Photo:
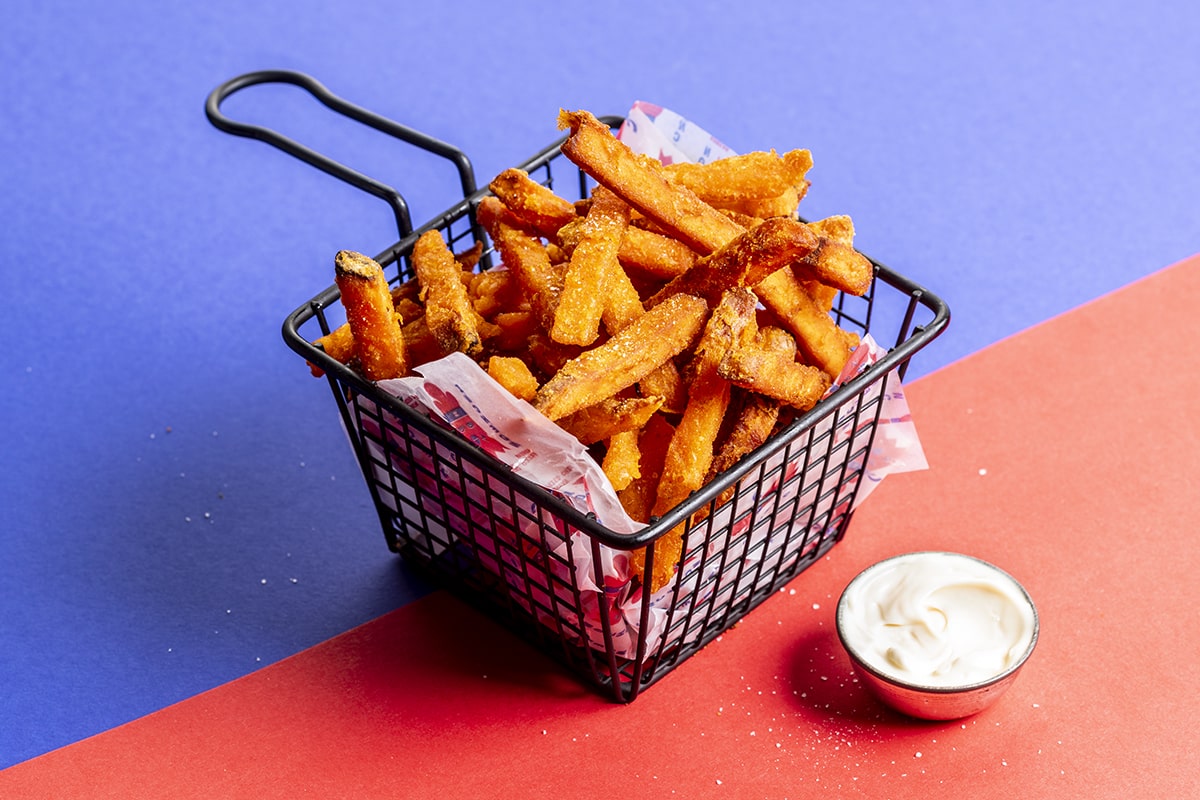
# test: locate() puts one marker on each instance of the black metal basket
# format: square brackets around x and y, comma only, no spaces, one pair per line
[523,555]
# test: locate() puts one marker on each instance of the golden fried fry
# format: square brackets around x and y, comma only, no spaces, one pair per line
[691,450]
[667,383]
[610,417]
[419,343]
[745,260]
[773,371]
[835,263]
[469,259]
[620,463]
[593,262]
[733,181]
[655,255]
[534,204]
[785,204]
[512,373]
[638,497]
[623,360]
[642,183]
[338,344]
[448,311]
[494,292]
[822,342]
[370,313]
[755,421]
[527,260]
[513,331]
[753,426]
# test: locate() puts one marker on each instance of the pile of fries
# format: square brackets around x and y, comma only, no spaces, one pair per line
[671,321]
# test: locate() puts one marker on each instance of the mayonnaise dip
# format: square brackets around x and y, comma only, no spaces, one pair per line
[937,619]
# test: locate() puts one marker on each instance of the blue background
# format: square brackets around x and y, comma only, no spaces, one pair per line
[178,506]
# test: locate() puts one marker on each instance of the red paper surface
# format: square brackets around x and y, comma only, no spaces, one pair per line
[1069,455]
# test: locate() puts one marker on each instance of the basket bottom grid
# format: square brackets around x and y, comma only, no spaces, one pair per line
[478,535]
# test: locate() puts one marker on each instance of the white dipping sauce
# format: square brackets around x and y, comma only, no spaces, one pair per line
[937,619]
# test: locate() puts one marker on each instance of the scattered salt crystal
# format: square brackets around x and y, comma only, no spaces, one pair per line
[918,754]
[264,581]
[816,606]
[295,580]
[982,471]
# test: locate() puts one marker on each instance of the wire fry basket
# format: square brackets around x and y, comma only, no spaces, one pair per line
[522,554]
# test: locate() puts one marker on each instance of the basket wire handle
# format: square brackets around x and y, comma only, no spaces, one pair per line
[338,170]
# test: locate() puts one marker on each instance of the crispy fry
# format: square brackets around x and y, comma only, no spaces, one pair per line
[610,417]
[534,204]
[744,261]
[448,311]
[623,360]
[469,259]
[822,342]
[419,344]
[512,373]
[621,458]
[593,263]
[370,313]
[494,292]
[526,258]
[835,263]
[729,182]
[773,371]
[513,330]
[638,497]
[753,426]
[691,450]
[667,383]
[338,344]
[642,182]
[785,204]
[655,255]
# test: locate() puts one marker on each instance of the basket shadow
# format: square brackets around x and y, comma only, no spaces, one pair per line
[825,685]
[441,645]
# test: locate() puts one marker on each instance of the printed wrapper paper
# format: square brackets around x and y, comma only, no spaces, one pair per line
[457,392]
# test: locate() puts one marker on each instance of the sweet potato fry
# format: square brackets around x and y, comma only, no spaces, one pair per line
[494,292]
[642,182]
[610,417]
[822,342]
[626,358]
[448,311]
[774,372]
[338,344]
[370,313]
[527,260]
[756,419]
[534,204]
[730,182]
[620,462]
[690,453]
[512,373]
[638,497]
[744,261]
[593,262]
[834,262]
[654,255]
